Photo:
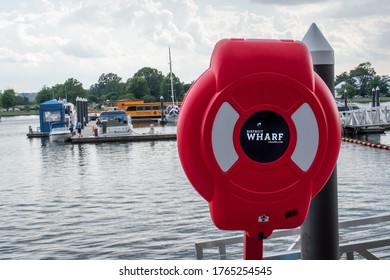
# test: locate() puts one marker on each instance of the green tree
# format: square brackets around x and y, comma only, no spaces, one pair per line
[58,92]
[8,99]
[187,87]
[362,76]
[45,94]
[138,87]
[363,79]
[178,88]
[153,79]
[72,89]
[348,89]
[21,100]
[108,84]
[69,90]
[385,85]
[344,77]
[128,96]
[382,82]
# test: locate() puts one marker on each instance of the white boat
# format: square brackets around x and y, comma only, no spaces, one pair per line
[59,133]
[111,122]
[70,113]
[172,111]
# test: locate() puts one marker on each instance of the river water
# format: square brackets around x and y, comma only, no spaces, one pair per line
[132,200]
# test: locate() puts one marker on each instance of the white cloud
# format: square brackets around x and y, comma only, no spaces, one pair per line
[82,39]
[288,2]
[7,55]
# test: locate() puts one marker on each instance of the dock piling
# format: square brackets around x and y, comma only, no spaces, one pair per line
[320,232]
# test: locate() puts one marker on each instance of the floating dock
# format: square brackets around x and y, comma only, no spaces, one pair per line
[37,133]
[123,138]
[354,130]
[365,121]
[89,137]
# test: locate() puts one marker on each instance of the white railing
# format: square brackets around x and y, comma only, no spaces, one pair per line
[366,238]
[376,116]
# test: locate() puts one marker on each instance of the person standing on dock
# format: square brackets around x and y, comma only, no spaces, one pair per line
[71,127]
[79,129]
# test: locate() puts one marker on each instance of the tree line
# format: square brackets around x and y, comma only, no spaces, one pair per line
[9,99]
[147,84]
[362,81]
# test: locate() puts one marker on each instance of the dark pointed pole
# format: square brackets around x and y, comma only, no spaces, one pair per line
[345,100]
[378,103]
[320,231]
[162,110]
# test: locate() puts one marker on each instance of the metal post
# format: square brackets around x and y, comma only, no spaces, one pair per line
[86,110]
[345,100]
[78,109]
[320,231]
[82,112]
[373,98]
[162,110]
[253,247]
[377,96]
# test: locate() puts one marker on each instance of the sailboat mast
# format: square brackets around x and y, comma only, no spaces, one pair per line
[170,72]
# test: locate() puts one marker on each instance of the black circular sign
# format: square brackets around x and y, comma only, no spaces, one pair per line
[265,136]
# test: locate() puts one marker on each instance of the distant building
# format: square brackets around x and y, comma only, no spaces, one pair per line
[30,96]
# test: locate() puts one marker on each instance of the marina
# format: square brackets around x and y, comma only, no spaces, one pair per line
[110,126]
[58,121]
[131,200]
[90,136]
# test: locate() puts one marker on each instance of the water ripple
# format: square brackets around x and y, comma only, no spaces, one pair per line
[130,200]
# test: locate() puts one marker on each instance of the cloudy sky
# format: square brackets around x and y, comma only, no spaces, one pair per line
[45,42]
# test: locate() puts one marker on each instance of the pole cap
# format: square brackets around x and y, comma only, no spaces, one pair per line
[321,51]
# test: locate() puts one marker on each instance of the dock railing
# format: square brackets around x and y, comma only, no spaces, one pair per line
[364,238]
[376,116]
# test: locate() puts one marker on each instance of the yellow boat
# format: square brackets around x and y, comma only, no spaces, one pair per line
[141,109]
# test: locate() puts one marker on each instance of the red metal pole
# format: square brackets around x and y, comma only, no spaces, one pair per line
[253,247]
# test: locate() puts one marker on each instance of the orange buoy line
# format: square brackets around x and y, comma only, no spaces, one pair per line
[368,144]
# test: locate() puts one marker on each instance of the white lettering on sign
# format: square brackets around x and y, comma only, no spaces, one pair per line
[259,135]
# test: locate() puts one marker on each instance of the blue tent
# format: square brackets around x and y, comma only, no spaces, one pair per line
[51,112]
